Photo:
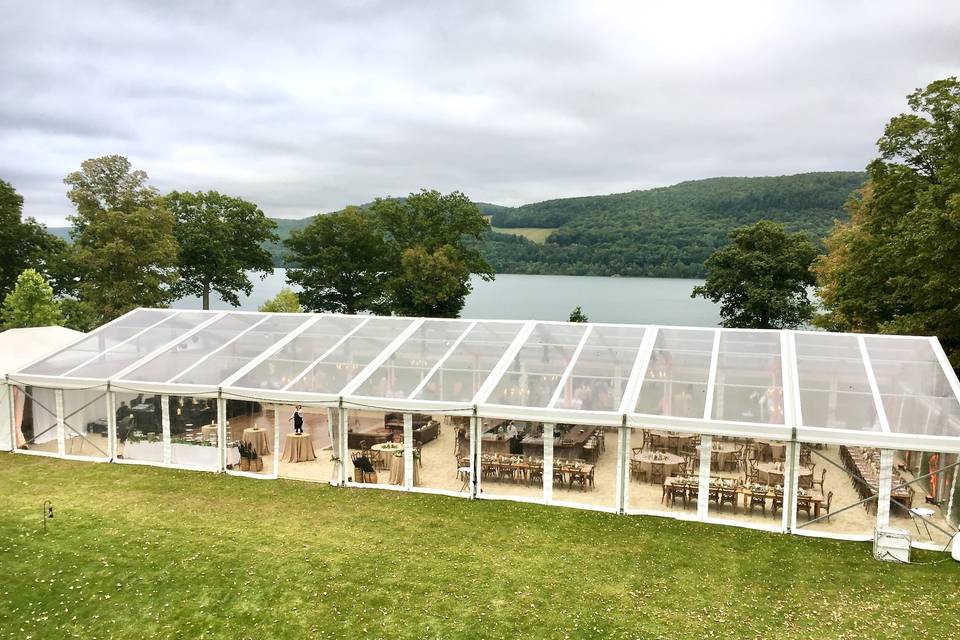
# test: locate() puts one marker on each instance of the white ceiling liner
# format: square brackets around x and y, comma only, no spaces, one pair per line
[896,391]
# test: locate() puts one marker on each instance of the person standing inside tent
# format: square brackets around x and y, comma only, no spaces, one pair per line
[513,437]
[297,418]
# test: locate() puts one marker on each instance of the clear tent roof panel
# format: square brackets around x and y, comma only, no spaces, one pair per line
[101,340]
[834,385]
[460,375]
[233,356]
[332,374]
[194,348]
[534,373]
[598,379]
[113,361]
[676,379]
[294,359]
[404,369]
[913,386]
[861,387]
[748,383]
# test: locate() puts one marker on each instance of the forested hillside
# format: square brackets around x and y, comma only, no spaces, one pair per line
[665,232]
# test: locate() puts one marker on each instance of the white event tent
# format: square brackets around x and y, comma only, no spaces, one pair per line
[889,393]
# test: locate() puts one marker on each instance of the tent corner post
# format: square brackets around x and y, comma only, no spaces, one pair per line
[623,468]
[792,485]
[474,455]
[547,479]
[885,484]
[112,448]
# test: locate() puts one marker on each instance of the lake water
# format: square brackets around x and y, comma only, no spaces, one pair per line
[524,297]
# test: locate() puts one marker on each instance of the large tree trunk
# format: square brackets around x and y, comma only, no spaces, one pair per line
[206,296]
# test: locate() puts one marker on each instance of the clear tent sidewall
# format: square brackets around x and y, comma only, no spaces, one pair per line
[788,522]
[799,389]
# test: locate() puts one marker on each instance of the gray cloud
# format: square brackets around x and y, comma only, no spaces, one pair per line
[305,107]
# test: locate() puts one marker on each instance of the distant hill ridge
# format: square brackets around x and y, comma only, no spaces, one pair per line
[661,232]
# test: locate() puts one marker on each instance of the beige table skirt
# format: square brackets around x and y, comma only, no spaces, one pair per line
[381,455]
[257,439]
[396,471]
[298,448]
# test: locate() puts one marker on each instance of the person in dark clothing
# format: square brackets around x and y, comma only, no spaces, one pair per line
[297,418]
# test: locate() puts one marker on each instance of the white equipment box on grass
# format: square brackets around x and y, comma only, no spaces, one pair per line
[891,545]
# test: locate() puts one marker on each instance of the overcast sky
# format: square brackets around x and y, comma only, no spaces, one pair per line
[305,107]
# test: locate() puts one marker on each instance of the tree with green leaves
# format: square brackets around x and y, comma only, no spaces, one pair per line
[31,303]
[340,263]
[124,250]
[220,240]
[577,315]
[24,243]
[433,243]
[761,279]
[413,256]
[286,301]
[430,284]
[894,267]
[108,183]
[78,314]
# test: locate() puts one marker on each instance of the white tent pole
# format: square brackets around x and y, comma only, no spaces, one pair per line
[703,481]
[111,424]
[788,381]
[712,376]
[549,432]
[165,429]
[791,409]
[474,455]
[791,486]
[885,482]
[222,431]
[877,400]
[344,444]
[276,440]
[706,441]
[623,475]
[408,460]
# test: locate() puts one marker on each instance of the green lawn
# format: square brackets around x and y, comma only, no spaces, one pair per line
[140,552]
[534,234]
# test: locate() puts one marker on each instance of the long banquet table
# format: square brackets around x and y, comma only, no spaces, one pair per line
[744,492]
[863,464]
